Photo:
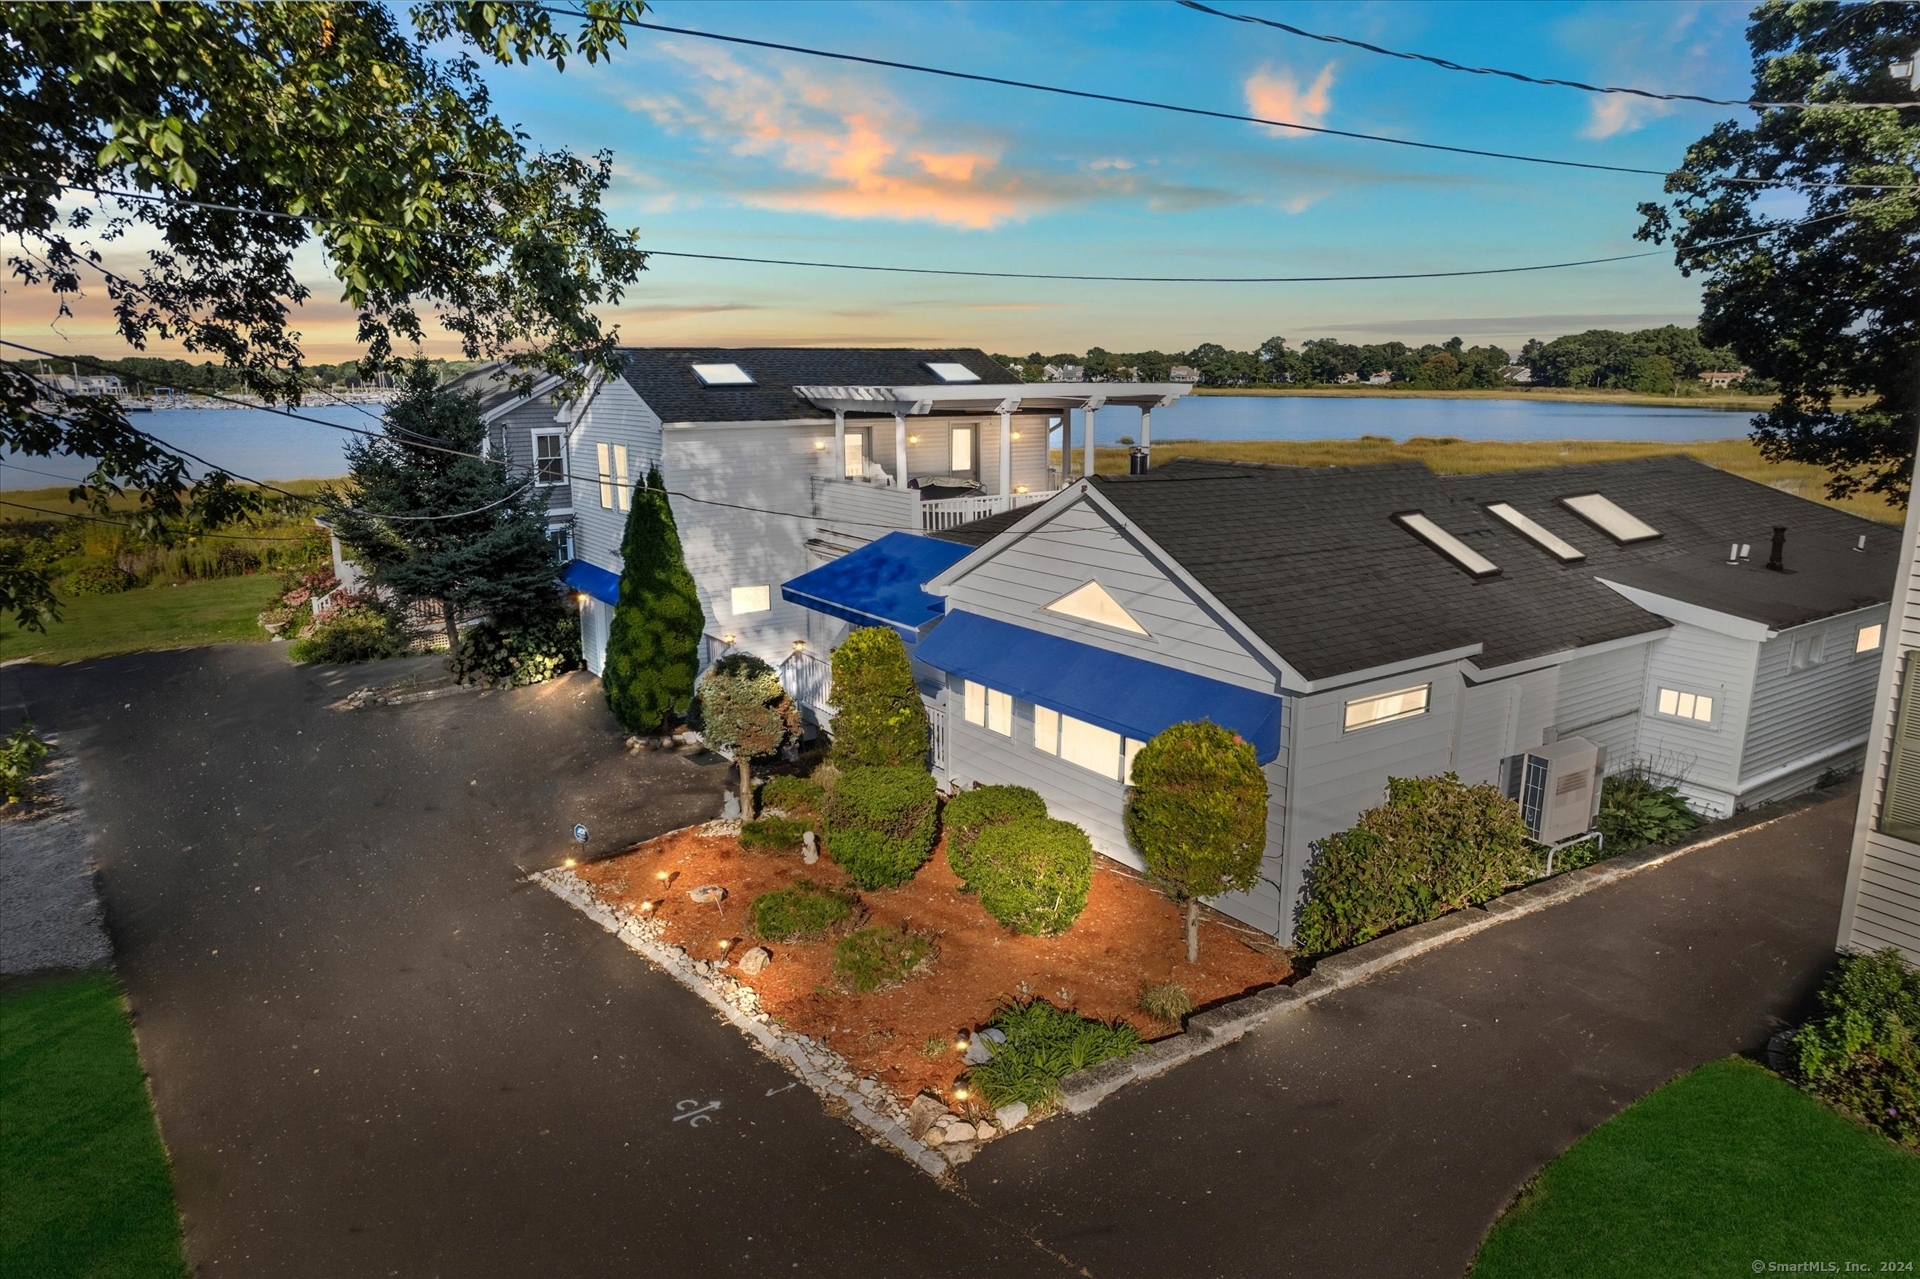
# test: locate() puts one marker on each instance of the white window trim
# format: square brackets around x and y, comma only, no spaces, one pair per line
[1680,695]
[605,471]
[622,490]
[754,594]
[1346,710]
[548,433]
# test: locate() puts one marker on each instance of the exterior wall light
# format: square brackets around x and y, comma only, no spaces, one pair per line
[913,439]
[799,646]
[1019,488]
[729,638]
[819,446]
[1016,435]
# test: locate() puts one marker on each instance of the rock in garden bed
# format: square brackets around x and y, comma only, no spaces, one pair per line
[905,1034]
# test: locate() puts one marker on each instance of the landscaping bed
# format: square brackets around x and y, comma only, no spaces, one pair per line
[1128,937]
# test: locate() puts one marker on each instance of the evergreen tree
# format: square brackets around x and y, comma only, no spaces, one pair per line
[880,721]
[432,524]
[745,711]
[653,646]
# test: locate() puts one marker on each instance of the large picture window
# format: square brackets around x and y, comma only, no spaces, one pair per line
[1900,803]
[1093,748]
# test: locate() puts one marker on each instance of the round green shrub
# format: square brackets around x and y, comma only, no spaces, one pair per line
[802,910]
[880,721]
[875,958]
[1032,874]
[99,579]
[972,811]
[881,824]
[358,633]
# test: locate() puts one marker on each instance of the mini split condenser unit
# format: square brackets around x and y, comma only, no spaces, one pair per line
[1558,788]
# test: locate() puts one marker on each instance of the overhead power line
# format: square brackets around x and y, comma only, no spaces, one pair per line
[1026,275]
[1449,65]
[1122,100]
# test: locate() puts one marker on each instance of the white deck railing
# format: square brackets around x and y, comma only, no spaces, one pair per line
[952,512]
[809,682]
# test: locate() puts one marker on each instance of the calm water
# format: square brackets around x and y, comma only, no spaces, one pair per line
[272,446]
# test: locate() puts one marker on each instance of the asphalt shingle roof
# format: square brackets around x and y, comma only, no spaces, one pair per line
[1312,561]
[664,377]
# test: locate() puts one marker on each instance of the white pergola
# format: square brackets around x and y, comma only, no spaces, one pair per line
[902,402]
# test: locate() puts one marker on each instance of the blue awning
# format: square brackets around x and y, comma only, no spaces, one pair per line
[879,584]
[1126,695]
[597,582]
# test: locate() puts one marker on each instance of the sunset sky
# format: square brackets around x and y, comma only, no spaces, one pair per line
[721,149]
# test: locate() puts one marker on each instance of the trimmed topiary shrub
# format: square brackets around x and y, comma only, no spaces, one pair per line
[1862,1053]
[1198,816]
[876,958]
[1044,1045]
[653,642]
[793,795]
[881,823]
[773,834]
[972,811]
[880,721]
[746,712]
[1033,874]
[804,910]
[1435,845]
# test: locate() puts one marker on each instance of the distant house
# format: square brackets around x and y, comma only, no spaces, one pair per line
[1720,379]
[1355,624]
[1383,378]
[1065,373]
[1520,373]
[1183,373]
[1347,379]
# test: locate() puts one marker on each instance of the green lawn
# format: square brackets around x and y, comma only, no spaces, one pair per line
[1720,1170]
[84,1184]
[202,612]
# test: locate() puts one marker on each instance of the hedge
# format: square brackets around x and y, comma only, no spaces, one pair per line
[803,909]
[1435,845]
[1863,1052]
[970,812]
[792,795]
[1033,874]
[881,824]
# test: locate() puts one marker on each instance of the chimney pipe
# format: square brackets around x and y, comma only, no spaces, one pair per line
[1774,560]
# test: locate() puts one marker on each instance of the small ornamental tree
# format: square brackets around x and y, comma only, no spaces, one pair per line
[653,645]
[880,721]
[1198,816]
[745,711]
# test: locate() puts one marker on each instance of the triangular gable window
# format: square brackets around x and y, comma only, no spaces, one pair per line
[1091,603]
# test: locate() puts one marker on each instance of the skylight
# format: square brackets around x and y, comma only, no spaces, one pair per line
[948,371]
[1610,519]
[1555,547]
[1447,544]
[722,375]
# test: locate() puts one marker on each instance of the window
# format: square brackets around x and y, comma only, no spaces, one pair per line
[947,371]
[562,539]
[1609,518]
[1806,652]
[606,477]
[1867,639]
[999,712]
[1046,730]
[722,375]
[1695,706]
[1092,603]
[621,492]
[976,702]
[1523,524]
[856,454]
[751,599]
[1900,803]
[1384,708]
[960,449]
[549,457]
[1447,544]
[1090,746]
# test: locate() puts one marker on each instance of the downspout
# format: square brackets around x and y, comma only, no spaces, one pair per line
[1006,454]
[840,443]
[900,450]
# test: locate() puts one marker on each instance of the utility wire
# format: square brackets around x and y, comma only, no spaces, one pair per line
[1448,65]
[1042,275]
[1089,95]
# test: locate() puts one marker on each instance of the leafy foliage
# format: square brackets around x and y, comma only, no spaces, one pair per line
[98,579]
[322,121]
[880,720]
[745,711]
[1168,1002]
[1044,1045]
[1198,816]
[773,834]
[20,756]
[972,811]
[875,958]
[653,643]
[1863,1052]
[1636,810]
[793,795]
[1648,361]
[1819,292]
[531,652]
[881,824]
[1435,845]
[1032,874]
[804,910]
[358,632]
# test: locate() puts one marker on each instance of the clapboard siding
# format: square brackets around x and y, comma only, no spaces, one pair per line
[1798,714]
[1078,544]
[855,513]
[1600,700]
[1500,718]
[929,448]
[1705,757]
[615,416]
[511,437]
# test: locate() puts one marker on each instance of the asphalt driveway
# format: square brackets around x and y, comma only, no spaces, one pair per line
[374,1051]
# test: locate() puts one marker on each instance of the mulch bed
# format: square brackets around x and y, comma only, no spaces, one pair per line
[1128,936]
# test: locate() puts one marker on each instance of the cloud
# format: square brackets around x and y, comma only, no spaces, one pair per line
[1276,95]
[1617,113]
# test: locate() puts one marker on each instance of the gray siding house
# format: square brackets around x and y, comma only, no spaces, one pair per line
[1395,623]
[1882,903]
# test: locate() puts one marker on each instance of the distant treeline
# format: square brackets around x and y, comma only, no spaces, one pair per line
[143,373]
[1654,361]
